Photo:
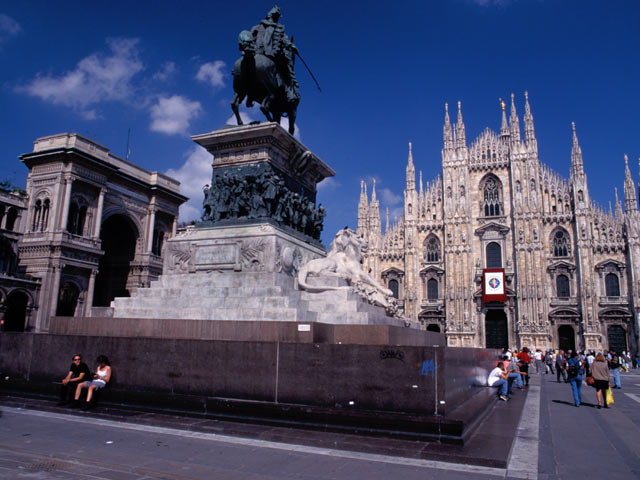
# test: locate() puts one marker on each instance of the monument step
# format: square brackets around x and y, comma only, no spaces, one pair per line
[205,301]
[199,313]
[207,291]
[224,279]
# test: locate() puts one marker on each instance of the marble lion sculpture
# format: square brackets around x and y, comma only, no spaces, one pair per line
[344,260]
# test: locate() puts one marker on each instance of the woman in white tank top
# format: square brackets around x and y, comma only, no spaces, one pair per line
[100,380]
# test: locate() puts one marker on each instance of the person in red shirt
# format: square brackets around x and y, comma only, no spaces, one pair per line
[523,363]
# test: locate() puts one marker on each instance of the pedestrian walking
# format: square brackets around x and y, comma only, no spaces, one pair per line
[548,361]
[539,363]
[575,372]
[614,366]
[560,366]
[600,373]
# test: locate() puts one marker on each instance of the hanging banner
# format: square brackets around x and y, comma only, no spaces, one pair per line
[493,287]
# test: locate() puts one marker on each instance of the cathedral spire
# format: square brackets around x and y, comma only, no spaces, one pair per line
[504,128]
[515,123]
[461,139]
[630,199]
[363,209]
[446,130]
[386,226]
[529,130]
[411,171]
[421,187]
[618,205]
[374,212]
[577,166]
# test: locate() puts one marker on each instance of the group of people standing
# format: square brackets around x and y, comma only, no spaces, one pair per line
[570,367]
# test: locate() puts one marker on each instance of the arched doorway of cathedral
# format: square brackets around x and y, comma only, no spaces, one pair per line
[496,329]
[433,327]
[566,338]
[118,235]
[15,311]
[617,337]
[67,299]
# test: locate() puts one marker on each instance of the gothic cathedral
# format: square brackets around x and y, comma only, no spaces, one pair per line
[569,266]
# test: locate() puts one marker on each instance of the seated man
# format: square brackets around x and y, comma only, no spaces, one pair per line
[499,378]
[78,372]
[513,373]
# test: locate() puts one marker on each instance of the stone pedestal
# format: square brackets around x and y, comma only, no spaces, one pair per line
[261,174]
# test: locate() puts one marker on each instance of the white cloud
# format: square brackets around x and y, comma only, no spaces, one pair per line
[194,173]
[212,73]
[166,70]
[171,115]
[95,79]
[245,115]
[328,184]
[8,28]
[389,198]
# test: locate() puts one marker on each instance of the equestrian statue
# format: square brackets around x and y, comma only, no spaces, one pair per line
[265,73]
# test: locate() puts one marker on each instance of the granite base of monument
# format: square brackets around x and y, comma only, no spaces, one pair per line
[420,392]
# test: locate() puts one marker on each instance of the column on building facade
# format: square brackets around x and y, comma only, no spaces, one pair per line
[68,183]
[55,293]
[90,291]
[150,226]
[98,220]
[174,226]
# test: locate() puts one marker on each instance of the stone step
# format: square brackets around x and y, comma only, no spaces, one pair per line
[211,302]
[208,291]
[199,313]
[217,279]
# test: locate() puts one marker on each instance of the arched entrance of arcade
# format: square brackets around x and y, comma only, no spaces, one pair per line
[119,236]
[15,311]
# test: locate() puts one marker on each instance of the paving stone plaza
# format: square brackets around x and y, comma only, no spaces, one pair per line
[539,434]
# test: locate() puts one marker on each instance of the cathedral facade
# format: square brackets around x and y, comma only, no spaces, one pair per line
[570,268]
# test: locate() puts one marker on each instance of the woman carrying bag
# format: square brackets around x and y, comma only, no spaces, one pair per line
[600,373]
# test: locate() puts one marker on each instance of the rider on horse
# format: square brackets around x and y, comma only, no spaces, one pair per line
[271,41]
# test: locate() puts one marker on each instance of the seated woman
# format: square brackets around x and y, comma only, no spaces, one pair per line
[100,380]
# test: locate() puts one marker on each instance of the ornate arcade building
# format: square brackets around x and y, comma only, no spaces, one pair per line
[93,228]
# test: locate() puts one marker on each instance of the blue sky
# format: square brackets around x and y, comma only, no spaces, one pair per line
[162,69]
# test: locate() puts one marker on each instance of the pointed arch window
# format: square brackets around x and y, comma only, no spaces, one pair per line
[562,286]
[494,255]
[432,249]
[561,244]
[612,285]
[492,198]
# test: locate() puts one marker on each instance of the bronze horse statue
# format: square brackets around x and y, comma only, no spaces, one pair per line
[256,78]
